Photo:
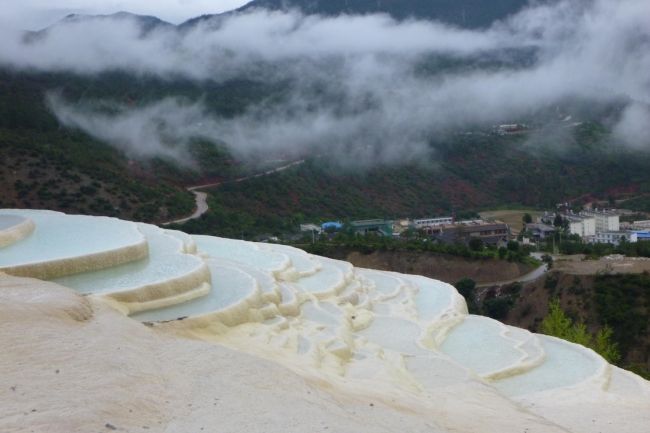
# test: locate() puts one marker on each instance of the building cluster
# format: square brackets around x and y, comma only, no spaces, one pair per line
[593,226]
[490,233]
[441,229]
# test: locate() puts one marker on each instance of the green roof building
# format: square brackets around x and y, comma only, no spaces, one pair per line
[378,226]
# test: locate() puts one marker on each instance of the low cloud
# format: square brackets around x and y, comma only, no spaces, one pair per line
[365,86]
[633,129]
[163,129]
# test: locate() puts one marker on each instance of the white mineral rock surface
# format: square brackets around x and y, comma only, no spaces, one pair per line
[245,337]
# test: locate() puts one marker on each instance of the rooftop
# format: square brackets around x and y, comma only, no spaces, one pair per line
[370,222]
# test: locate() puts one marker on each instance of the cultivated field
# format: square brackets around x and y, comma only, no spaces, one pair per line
[511,217]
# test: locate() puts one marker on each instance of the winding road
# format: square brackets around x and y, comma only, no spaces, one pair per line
[201,198]
[526,278]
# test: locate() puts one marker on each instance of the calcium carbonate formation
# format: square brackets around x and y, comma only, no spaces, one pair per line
[383,332]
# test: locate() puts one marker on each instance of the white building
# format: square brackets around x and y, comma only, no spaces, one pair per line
[432,222]
[641,225]
[310,228]
[582,226]
[606,221]
[614,238]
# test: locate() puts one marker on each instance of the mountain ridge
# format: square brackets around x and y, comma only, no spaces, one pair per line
[463,13]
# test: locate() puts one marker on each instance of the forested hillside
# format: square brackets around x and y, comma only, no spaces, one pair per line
[48,165]
[465,173]
[45,165]
[448,127]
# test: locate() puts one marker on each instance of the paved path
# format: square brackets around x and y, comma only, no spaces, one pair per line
[201,198]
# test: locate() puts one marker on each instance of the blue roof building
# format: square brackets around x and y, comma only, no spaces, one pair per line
[331,225]
[643,235]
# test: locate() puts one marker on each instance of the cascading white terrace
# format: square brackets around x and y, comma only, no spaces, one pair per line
[14,228]
[384,333]
[63,245]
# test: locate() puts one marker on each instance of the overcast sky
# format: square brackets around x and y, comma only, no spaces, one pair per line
[37,14]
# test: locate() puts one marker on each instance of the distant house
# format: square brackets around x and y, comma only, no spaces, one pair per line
[331,226]
[496,234]
[427,224]
[643,236]
[511,129]
[583,226]
[540,231]
[614,238]
[377,226]
[400,226]
[606,220]
[490,233]
[310,228]
[640,225]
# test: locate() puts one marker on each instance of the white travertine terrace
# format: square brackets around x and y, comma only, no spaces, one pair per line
[404,340]
[14,228]
[166,276]
[63,245]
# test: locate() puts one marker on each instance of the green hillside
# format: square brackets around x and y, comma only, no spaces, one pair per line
[466,173]
[44,165]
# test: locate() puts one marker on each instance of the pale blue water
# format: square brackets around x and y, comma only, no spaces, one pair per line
[322,281]
[165,262]
[299,259]
[242,252]
[565,365]
[314,313]
[60,236]
[394,334]
[9,221]
[433,298]
[384,283]
[229,286]
[476,343]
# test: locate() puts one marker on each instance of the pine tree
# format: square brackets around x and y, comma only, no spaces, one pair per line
[558,324]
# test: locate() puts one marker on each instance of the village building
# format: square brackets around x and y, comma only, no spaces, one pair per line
[540,231]
[606,220]
[640,225]
[491,233]
[331,226]
[432,222]
[376,226]
[643,235]
[615,238]
[310,228]
[511,129]
[583,226]
[429,224]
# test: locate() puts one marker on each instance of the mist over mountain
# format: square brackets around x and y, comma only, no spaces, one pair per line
[146,22]
[463,13]
[362,93]
[366,86]
[470,14]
